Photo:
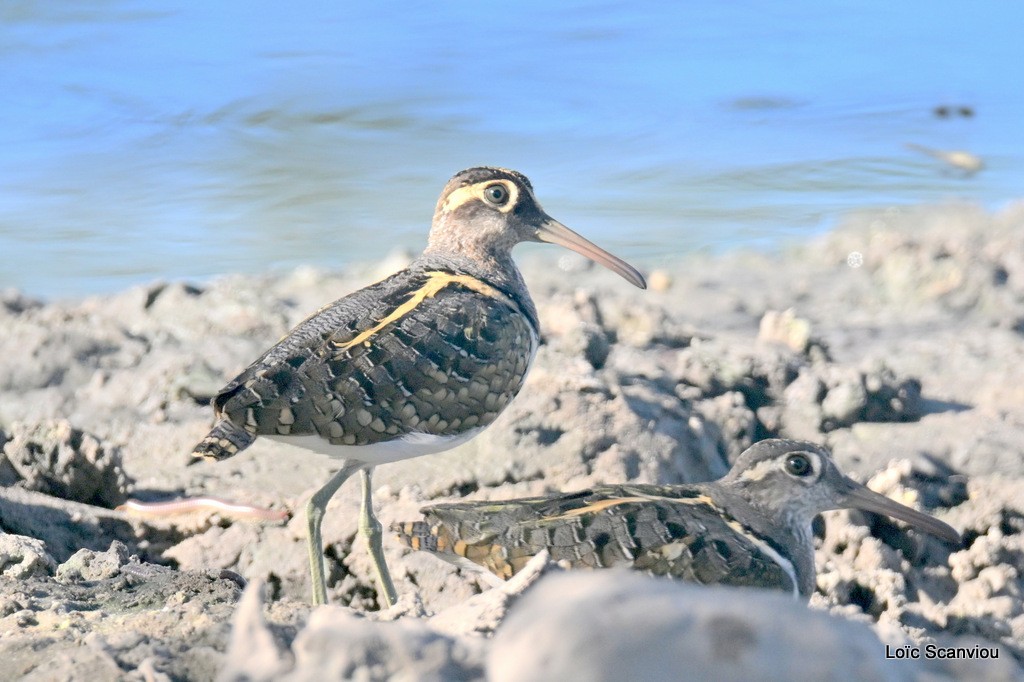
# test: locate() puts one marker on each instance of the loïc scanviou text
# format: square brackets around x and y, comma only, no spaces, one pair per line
[932,651]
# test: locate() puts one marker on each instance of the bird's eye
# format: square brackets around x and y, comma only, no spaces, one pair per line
[497,194]
[798,465]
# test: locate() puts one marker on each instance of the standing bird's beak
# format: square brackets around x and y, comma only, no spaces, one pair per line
[554,232]
[862,497]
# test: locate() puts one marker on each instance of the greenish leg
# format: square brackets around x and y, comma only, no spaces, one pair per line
[370,527]
[315,509]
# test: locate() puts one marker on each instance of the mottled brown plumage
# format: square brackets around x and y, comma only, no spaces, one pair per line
[411,365]
[450,363]
[751,528]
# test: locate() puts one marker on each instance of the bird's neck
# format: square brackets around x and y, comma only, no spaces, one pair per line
[788,529]
[794,535]
[802,555]
[494,267]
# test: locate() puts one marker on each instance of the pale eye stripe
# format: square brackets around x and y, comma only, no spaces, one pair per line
[760,470]
[475,192]
[763,469]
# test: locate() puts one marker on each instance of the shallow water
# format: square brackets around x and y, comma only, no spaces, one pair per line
[181,140]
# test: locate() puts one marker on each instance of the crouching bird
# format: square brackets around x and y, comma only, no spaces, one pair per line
[749,528]
[412,365]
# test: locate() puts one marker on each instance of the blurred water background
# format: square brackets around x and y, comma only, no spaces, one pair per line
[177,139]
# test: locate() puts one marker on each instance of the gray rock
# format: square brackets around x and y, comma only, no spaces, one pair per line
[22,557]
[167,622]
[253,654]
[589,626]
[339,645]
[844,403]
[87,564]
[825,397]
[786,328]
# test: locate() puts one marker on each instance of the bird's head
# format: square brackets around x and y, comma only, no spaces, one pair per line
[796,480]
[484,212]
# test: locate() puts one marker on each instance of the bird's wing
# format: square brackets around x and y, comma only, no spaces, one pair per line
[677,531]
[698,541]
[421,352]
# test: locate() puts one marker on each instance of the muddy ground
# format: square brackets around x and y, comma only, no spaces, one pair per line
[898,340]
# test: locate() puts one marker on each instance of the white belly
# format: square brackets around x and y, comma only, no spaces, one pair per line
[405,447]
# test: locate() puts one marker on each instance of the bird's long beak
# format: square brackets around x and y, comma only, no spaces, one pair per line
[554,232]
[861,497]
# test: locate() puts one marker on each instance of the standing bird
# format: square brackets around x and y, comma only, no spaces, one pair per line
[412,365]
[751,528]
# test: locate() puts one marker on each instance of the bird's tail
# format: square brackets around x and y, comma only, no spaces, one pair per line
[224,440]
[421,535]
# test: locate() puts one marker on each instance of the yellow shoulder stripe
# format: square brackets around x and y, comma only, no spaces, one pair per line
[436,281]
[600,506]
[596,507]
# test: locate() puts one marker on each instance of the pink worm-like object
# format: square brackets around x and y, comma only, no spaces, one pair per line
[194,505]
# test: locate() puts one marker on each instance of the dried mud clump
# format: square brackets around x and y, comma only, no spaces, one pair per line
[55,458]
